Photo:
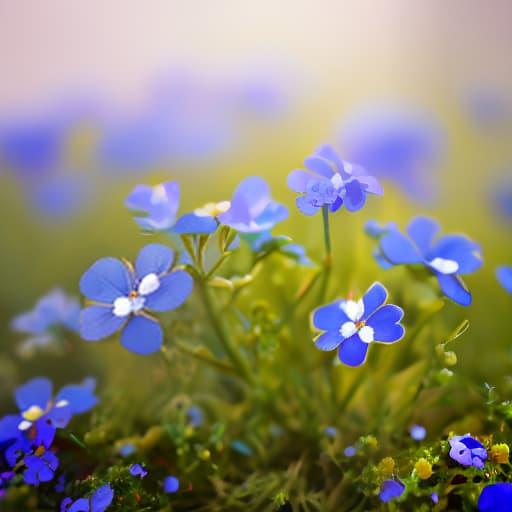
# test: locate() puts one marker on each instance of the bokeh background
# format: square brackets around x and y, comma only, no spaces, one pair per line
[96,97]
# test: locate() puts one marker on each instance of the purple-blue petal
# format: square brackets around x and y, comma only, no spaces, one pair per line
[171,484]
[80,505]
[328,340]
[45,432]
[59,416]
[37,391]
[153,259]
[9,427]
[253,193]
[271,215]
[190,224]
[173,291]
[391,489]
[454,288]
[98,322]
[504,276]
[353,351]
[142,335]
[460,249]
[105,281]
[397,248]
[298,179]
[374,297]
[384,323]
[306,206]
[356,196]
[371,184]
[496,498]
[422,231]
[319,166]
[102,498]
[79,397]
[330,317]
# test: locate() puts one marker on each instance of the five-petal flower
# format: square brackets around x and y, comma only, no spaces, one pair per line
[467,451]
[124,293]
[352,326]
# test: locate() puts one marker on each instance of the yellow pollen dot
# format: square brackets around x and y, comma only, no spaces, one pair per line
[33,413]
[39,451]
[205,454]
[360,324]
[500,453]
[133,294]
[423,469]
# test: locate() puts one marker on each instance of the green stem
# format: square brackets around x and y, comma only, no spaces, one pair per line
[216,265]
[231,351]
[328,254]
[205,357]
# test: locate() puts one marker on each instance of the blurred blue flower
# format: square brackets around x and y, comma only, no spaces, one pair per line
[395,143]
[195,416]
[330,431]
[349,451]
[60,485]
[98,502]
[41,414]
[53,311]
[5,479]
[447,258]
[504,275]
[502,197]
[418,432]
[467,451]
[127,449]
[252,210]
[496,498]
[40,468]
[391,489]
[331,182]
[123,296]
[138,470]
[434,497]
[352,326]
[171,484]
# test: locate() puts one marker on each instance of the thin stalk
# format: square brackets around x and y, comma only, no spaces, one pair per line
[204,357]
[328,254]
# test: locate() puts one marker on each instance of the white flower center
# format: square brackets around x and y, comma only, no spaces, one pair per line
[444,266]
[159,195]
[337,181]
[347,329]
[366,334]
[354,310]
[213,209]
[123,306]
[149,284]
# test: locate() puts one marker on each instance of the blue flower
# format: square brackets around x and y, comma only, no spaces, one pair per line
[40,468]
[418,432]
[447,258]
[252,210]
[496,498]
[352,326]
[467,451]
[504,275]
[349,451]
[195,416]
[98,502]
[41,414]
[138,470]
[127,449]
[331,182]
[171,484]
[5,479]
[434,497]
[51,312]
[391,489]
[396,143]
[124,294]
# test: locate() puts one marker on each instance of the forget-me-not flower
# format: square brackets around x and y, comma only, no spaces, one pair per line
[138,470]
[40,468]
[98,502]
[496,498]
[352,326]
[331,182]
[251,208]
[467,451]
[391,489]
[124,295]
[504,275]
[171,484]
[447,258]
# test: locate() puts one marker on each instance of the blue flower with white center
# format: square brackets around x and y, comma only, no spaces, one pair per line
[40,468]
[447,258]
[251,208]
[504,276]
[138,470]
[52,312]
[352,326]
[391,489]
[41,414]
[496,498]
[331,182]
[98,502]
[124,295]
[467,451]
[171,484]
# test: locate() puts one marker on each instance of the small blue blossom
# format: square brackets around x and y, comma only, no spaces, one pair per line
[391,489]
[467,451]
[138,470]
[352,326]
[330,431]
[98,502]
[504,275]
[418,432]
[331,182]
[496,498]
[434,497]
[41,414]
[195,416]
[40,468]
[251,208]
[60,485]
[51,312]
[5,479]
[127,449]
[447,258]
[171,484]
[124,295]
[349,451]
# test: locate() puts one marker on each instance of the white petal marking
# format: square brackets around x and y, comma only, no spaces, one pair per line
[149,284]
[366,334]
[24,425]
[348,329]
[444,266]
[122,306]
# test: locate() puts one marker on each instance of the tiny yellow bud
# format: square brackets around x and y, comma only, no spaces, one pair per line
[205,454]
[189,431]
[500,453]
[387,466]
[423,469]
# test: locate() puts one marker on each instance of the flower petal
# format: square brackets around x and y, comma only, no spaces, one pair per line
[384,323]
[98,322]
[80,505]
[105,281]
[353,351]
[37,391]
[330,317]
[398,249]
[305,205]
[102,498]
[460,249]
[422,231]
[319,166]
[173,291]
[9,427]
[504,275]
[154,259]
[454,288]
[496,497]
[328,340]
[297,180]
[373,299]
[79,397]
[356,196]
[194,224]
[142,335]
